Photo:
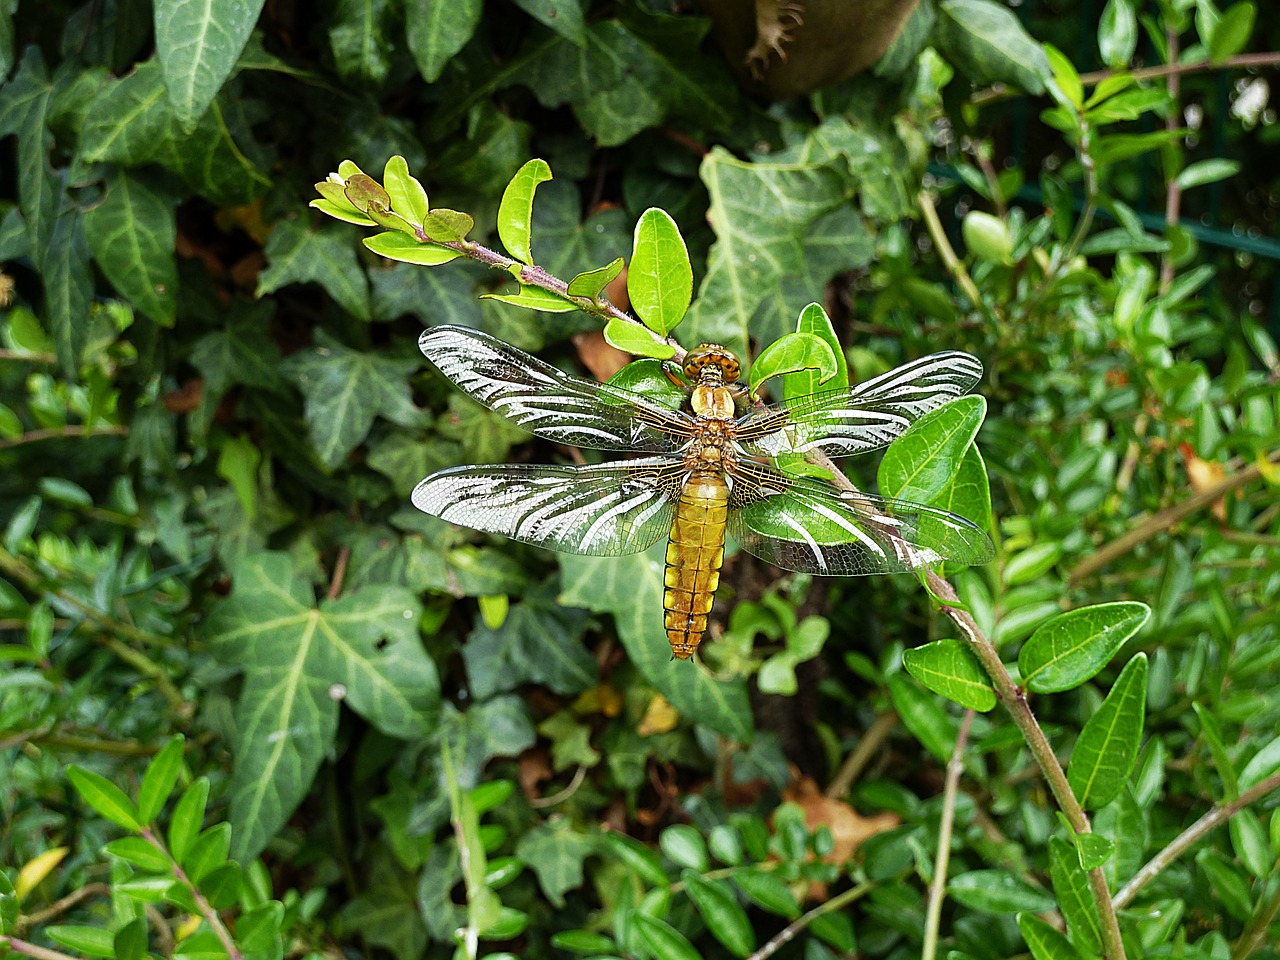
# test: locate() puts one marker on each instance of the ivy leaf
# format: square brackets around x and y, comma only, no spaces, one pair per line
[297,254]
[299,661]
[631,589]
[989,44]
[438,29]
[198,44]
[563,16]
[132,234]
[359,41]
[1108,745]
[554,850]
[68,287]
[344,390]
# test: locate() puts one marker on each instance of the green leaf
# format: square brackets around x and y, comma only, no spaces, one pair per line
[1207,171]
[68,287]
[1108,745]
[593,282]
[813,320]
[648,379]
[1066,87]
[563,16]
[1032,563]
[397,246]
[132,234]
[663,939]
[1261,765]
[1249,840]
[923,716]
[583,941]
[790,354]
[160,778]
[951,668]
[555,850]
[447,225]
[924,461]
[684,846]
[8,905]
[408,197]
[721,912]
[94,941]
[1117,34]
[297,254]
[660,277]
[1093,850]
[359,40]
[208,852]
[297,657]
[998,891]
[1074,896]
[344,390]
[1074,646]
[137,851]
[1229,884]
[188,818]
[638,858]
[197,44]
[767,891]
[1211,732]
[534,298]
[633,339]
[1044,942]
[989,44]
[515,212]
[630,588]
[438,29]
[1232,32]
[105,797]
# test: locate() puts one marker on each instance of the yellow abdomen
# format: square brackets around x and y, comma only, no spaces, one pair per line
[694,556]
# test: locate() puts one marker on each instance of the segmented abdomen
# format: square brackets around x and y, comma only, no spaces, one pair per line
[695,553]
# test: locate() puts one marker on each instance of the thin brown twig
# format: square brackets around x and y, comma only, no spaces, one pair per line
[339,572]
[1173,191]
[861,755]
[58,433]
[59,907]
[938,885]
[791,930]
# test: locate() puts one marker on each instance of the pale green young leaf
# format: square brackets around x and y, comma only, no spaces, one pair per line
[633,339]
[1107,747]
[813,320]
[792,353]
[1207,171]
[515,212]
[397,246]
[188,818]
[91,941]
[534,298]
[660,276]
[408,198]
[591,283]
[1117,33]
[105,797]
[159,780]
[950,667]
[138,852]
[1074,646]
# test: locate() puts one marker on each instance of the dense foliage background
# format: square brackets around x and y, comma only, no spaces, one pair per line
[384,736]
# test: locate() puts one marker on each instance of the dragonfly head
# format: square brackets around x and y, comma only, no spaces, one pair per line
[706,358]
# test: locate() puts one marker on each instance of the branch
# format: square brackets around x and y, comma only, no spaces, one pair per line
[1166,518]
[788,933]
[1179,845]
[857,761]
[938,886]
[57,433]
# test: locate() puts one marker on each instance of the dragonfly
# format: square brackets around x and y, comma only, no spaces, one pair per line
[704,469]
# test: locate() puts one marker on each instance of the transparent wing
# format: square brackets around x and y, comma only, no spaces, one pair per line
[601,510]
[798,523]
[547,401]
[864,417]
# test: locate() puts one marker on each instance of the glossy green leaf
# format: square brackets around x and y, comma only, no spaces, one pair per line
[140,853]
[583,941]
[663,939]
[592,283]
[635,340]
[791,353]
[1074,646]
[188,818]
[1032,563]
[208,852]
[437,29]
[515,212]
[638,858]
[1230,886]
[1108,745]
[105,797]
[630,588]
[684,846]
[1066,87]
[1118,33]
[814,320]
[132,234]
[1261,765]
[721,912]
[950,667]
[345,390]
[1249,841]
[8,905]
[92,941]
[988,43]
[159,780]
[1211,733]
[535,298]
[987,237]
[923,716]
[1202,172]
[998,891]
[648,378]
[197,44]
[407,195]
[768,891]
[1232,31]
[396,246]
[660,276]
[299,659]
[1074,896]
[923,462]
[221,885]
[1093,850]
[1044,942]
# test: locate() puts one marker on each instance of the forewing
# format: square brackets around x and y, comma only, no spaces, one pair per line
[547,401]
[600,510]
[865,417]
[798,523]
